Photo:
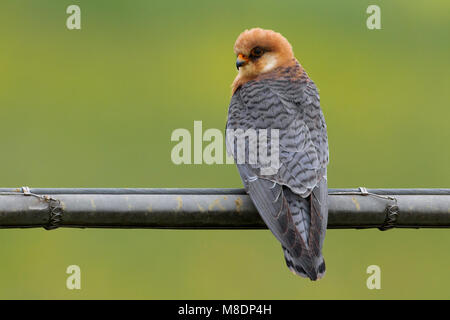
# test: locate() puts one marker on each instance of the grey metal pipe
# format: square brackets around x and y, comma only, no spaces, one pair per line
[212,208]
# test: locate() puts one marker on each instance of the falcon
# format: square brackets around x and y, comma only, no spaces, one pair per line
[273,95]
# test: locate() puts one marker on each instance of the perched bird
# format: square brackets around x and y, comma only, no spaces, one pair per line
[273,92]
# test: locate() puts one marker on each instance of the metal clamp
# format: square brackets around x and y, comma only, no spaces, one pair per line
[26,191]
[55,208]
[55,214]
[392,210]
[363,191]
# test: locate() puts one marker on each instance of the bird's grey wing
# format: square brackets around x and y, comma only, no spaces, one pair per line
[303,142]
[292,220]
[292,202]
[293,109]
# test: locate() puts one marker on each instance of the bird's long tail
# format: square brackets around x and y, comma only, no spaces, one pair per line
[298,223]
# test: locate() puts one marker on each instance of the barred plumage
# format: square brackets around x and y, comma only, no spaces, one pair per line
[292,201]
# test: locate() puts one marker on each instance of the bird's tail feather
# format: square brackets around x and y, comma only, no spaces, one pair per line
[314,270]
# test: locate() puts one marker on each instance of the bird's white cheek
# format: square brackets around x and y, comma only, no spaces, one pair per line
[271,63]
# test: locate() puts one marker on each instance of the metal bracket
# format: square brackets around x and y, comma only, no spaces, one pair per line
[392,210]
[55,213]
[55,208]
[26,191]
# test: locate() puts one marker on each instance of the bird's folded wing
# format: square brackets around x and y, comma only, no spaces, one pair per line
[303,145]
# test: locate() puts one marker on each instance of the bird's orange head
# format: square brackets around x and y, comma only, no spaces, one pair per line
[260,51]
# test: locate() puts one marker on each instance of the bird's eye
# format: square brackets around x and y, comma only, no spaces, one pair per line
[257,52]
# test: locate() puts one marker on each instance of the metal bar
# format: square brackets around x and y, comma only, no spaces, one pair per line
[212,208]
[50,191]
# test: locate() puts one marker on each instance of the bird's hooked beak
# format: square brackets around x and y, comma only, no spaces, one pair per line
[241,60]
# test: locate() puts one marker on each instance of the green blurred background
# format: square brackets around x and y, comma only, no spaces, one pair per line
[96,107]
